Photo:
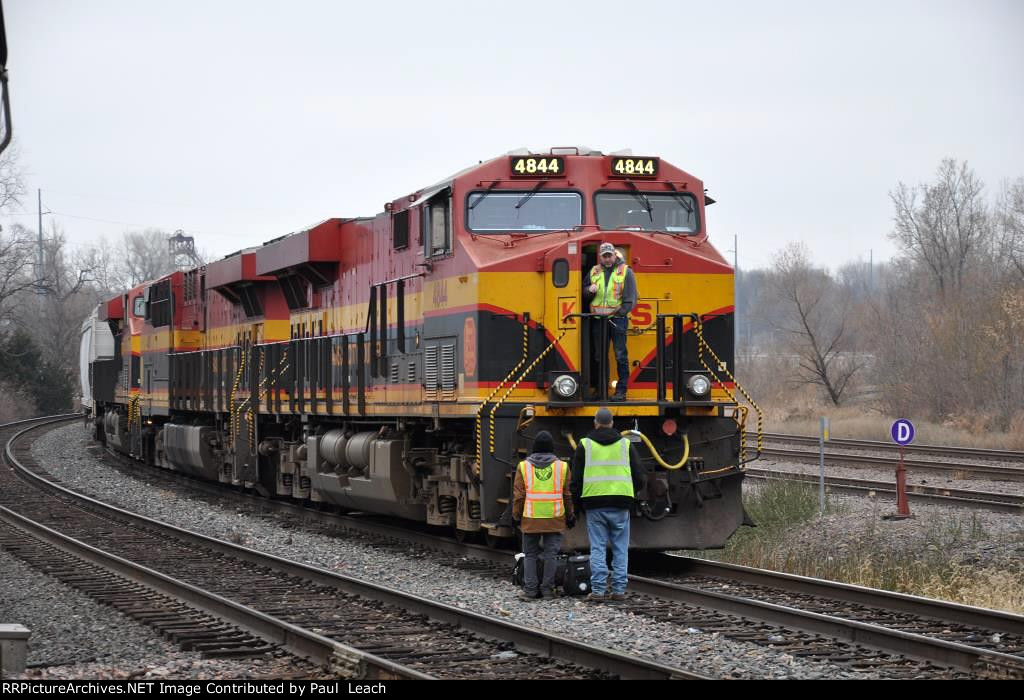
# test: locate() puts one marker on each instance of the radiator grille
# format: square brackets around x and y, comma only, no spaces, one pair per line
[430,372]
[448,372]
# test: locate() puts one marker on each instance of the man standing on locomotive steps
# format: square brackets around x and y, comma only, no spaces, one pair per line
[542,505]
[607,474]
[612,293]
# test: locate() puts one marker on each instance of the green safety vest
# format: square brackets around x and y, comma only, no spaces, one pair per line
[543,489]
[608,298]
[606,469]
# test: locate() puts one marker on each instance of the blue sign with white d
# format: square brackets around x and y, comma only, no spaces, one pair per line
[902,432]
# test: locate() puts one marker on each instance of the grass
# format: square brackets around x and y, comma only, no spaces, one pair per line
[856,424]
[776,506]
[930,564]
[798,411]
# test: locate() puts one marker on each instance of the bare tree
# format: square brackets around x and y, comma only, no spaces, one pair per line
[1010,218]
[12,181]
[814,319]
[943,225]
[68,299]
[17,257]
[103,260]
[145,257]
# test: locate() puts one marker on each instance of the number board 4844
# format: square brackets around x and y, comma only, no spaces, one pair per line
[537,166]
[634,167]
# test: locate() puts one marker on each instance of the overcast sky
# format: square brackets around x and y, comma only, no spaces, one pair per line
[241,121]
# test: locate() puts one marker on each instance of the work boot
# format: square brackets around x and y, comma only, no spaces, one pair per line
[618,396]
[526,595]
[596,598]
[618,596]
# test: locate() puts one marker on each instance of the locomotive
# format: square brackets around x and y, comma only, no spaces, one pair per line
[402,364]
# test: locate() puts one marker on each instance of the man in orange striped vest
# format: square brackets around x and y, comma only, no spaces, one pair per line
[542,505]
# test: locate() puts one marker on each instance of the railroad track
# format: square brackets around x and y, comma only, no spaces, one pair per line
[871,626]
[934,450]
[954,470]
[1001,502]
[357,629]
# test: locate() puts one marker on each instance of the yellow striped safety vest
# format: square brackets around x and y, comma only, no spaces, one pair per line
[608,298]
[543,489]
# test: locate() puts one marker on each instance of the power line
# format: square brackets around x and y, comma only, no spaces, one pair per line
[112,221]
[84,195]
[106,221]
[86,218]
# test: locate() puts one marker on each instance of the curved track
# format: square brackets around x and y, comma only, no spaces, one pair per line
[872,626]
[362,629]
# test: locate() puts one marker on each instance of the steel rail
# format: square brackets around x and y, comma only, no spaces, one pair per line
[1001,502]
[936,450]
[996,620]
[876,636]
[298,641]
[987,470]
[881,638]
[853,631]
[527,639]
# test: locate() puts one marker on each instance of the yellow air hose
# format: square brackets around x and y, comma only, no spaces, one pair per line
[657,457]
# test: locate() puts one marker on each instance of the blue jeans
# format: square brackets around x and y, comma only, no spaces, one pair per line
[617,326]
[608,527]
[532,548]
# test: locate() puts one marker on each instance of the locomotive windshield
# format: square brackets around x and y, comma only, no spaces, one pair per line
[673,212]
[523,212]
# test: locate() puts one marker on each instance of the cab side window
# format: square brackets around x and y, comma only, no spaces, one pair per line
[436,222]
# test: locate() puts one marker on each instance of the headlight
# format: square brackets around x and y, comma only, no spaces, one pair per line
[698,385]
[565,386]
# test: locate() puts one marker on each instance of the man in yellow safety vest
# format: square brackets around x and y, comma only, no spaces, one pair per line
[612,294]
[607,474]
[541,503]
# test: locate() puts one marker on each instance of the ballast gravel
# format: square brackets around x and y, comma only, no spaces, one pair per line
[65,449]
[72,636]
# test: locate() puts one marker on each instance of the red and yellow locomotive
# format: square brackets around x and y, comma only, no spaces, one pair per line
[402,363]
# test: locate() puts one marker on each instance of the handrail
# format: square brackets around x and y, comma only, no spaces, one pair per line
[516,384]
[480,409]
[231,399]
[703,345]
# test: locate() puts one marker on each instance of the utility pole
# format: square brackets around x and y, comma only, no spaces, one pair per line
[39,254]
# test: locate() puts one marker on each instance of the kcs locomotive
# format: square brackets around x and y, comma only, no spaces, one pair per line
[402,363]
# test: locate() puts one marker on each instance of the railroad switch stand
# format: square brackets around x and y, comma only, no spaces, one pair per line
[902,505]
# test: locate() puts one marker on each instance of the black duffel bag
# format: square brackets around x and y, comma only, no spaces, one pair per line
[572,573]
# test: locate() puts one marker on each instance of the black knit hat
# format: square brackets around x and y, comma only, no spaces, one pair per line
[543,442]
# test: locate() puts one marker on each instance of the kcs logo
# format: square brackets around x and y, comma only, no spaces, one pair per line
[641,315]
